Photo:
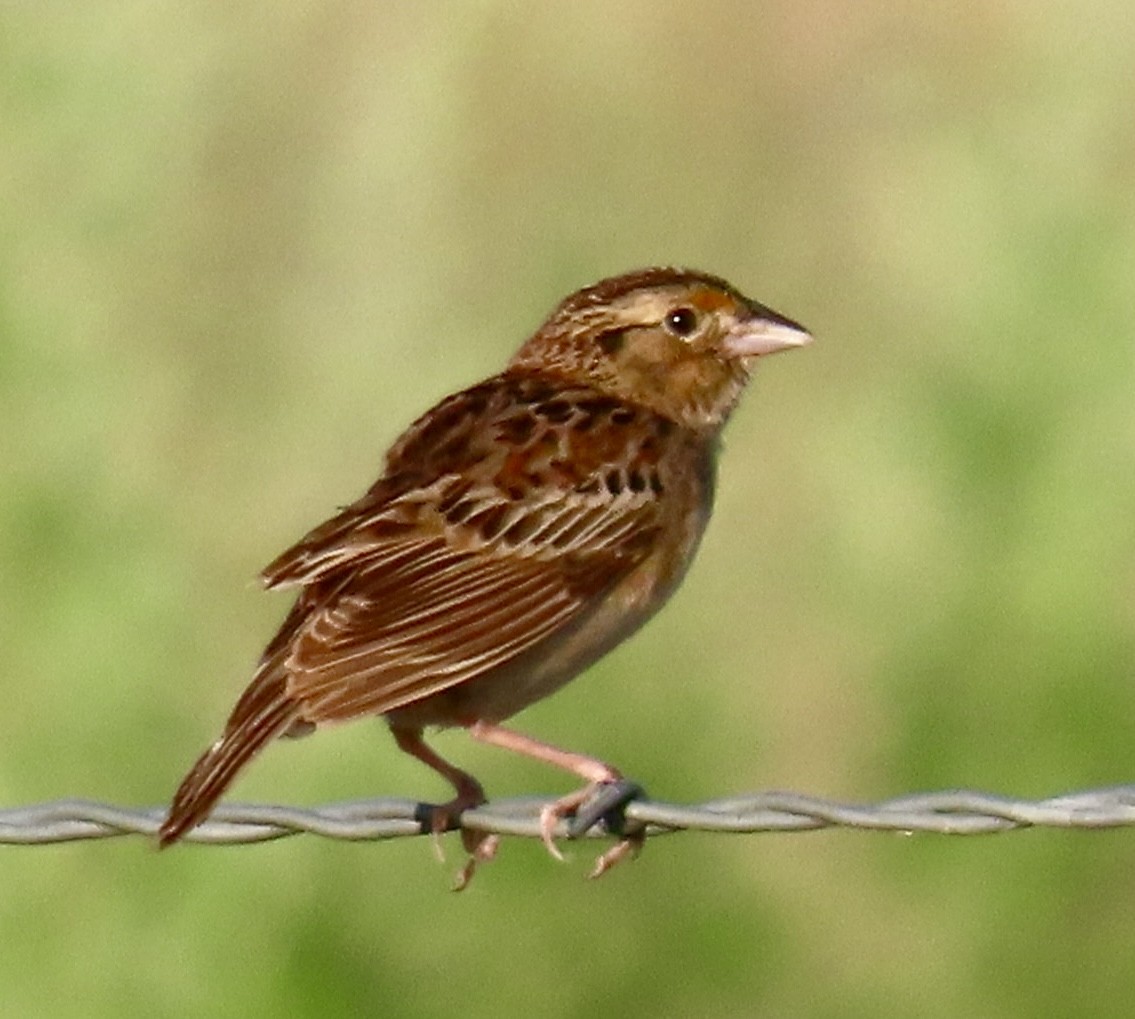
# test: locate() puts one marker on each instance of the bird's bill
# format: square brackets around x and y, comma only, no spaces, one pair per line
[758,336]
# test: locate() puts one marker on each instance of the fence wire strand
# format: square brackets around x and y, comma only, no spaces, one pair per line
[950,812]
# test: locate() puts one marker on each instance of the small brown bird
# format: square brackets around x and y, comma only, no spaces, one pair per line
[522,528]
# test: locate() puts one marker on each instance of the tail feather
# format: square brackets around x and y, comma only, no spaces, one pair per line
[265,711]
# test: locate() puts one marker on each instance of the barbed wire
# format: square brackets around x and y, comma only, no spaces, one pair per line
[949,812]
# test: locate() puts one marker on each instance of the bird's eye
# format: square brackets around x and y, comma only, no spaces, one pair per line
[682,321]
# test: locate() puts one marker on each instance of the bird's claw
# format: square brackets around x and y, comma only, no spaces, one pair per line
[599,802]
[630,846]
[481,847]
[436,820]
[549,818]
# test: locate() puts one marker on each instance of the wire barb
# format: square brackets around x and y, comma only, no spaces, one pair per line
[950,812]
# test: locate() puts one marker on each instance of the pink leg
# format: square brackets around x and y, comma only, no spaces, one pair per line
[589,768]
[481,846]
[469,791]
[596,772]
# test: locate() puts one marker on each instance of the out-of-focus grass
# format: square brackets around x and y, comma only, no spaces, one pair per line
[242,247]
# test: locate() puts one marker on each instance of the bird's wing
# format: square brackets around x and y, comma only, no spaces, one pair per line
[438,575]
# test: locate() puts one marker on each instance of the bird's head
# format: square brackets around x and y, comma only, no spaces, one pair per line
[680,342]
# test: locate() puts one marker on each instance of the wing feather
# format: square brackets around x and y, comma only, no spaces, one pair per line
[423,616]
[434,578]
[396,665]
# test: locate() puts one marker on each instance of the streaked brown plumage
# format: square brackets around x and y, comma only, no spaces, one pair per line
[521,529]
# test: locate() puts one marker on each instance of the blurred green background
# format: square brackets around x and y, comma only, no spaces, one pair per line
[243,245]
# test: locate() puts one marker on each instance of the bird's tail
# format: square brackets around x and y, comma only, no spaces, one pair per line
[264,711]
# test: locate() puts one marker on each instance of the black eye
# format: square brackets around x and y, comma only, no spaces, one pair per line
[682,321]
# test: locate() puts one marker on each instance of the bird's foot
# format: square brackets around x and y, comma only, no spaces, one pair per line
[481,847]
[629,846]
[597,803]
[437,818]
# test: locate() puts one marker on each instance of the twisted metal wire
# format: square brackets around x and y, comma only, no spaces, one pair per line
[950,812]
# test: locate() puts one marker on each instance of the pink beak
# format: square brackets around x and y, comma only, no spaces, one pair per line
[765,333]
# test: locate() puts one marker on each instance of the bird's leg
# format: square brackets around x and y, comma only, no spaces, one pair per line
[596,772]
[469,791]
[481,846]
